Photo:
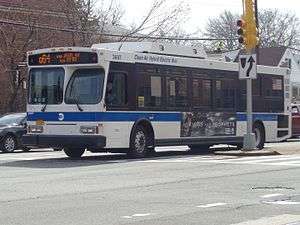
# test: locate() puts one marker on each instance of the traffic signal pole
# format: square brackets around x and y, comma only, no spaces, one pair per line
[248,37]
[249,138]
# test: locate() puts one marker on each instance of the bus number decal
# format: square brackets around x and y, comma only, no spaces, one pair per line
[117,57]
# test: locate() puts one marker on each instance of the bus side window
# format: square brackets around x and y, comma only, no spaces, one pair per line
[177,93]
[150,91]
[116,89]
[202,92]
[225,94]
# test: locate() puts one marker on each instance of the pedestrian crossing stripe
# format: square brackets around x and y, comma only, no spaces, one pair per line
[284,160]
[285,219]
[278,160]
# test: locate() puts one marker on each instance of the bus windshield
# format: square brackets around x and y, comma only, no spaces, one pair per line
[85,87]
[46,85]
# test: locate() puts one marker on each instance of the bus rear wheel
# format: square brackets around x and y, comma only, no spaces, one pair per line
[74,153]
[139,143]
[259,132]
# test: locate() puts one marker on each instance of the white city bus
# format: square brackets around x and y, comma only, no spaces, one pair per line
[133,97]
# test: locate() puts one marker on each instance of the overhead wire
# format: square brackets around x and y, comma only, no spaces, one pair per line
[95,32]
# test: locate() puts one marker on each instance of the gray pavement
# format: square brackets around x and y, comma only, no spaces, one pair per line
[174,187]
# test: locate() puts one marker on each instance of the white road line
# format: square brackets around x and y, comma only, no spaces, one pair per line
[137,215]
[191,159]
[271,195]
[280,219]
[263,158]
[26,158]
[292,162]
[281,203]
[272,160]
[212,205]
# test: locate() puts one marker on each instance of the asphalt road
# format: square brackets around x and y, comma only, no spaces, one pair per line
[45,187]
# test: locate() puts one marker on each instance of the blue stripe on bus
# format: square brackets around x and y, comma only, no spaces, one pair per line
[126,116]
[263,117]
[102,116]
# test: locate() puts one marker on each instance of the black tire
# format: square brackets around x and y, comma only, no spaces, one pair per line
[140,142]
[260,137]
[198,149]
[9,144]
[57,149]
[74,153]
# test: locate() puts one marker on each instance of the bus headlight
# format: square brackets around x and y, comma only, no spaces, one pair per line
[88,129]
[35,129]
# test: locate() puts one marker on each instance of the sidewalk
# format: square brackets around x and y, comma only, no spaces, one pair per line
[283,148]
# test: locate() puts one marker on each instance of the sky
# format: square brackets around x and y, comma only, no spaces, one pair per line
[202,10]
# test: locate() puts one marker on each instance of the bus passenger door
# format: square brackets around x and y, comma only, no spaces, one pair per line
[116,128]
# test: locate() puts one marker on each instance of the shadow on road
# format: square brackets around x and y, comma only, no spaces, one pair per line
[33,151]
[94,160]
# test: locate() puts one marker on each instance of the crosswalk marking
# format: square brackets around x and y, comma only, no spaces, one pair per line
[271,195]
[269,159]
[279,160]
[285,219]
[211,205]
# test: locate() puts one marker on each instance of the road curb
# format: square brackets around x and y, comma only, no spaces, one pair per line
[246,153]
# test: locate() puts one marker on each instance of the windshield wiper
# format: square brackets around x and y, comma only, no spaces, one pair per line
[79,107]
[76,101]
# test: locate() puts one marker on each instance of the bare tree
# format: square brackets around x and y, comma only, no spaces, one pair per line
[162,19]
[90,19]
[223,27]
[93,24]
[14,42]
[110,17]
[80,17]
[275,28]
[278,29]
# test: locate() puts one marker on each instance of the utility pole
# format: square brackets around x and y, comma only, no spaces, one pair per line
[257,29]
[248,62]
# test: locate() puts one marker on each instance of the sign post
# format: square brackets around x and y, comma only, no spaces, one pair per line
[248,63]
[248,71]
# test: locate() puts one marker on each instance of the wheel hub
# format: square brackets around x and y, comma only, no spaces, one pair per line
[140,141]
[9,144]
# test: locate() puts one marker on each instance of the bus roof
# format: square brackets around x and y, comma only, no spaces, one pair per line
[151,53]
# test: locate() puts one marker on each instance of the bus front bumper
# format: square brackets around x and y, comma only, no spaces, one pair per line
[64,141]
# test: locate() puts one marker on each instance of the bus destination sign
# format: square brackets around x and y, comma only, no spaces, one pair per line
[62,58]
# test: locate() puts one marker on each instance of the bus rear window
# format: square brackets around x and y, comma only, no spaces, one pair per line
[46,86]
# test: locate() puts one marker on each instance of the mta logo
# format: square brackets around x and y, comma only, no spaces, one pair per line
[61,116]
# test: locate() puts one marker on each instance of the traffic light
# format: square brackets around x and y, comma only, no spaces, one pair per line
[247,27]
[241,31]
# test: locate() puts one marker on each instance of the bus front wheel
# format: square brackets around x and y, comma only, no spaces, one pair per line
[139,143]
[74,153]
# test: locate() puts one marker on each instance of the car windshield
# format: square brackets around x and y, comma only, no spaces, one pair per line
[13,119]
[85,87]
[46,85]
